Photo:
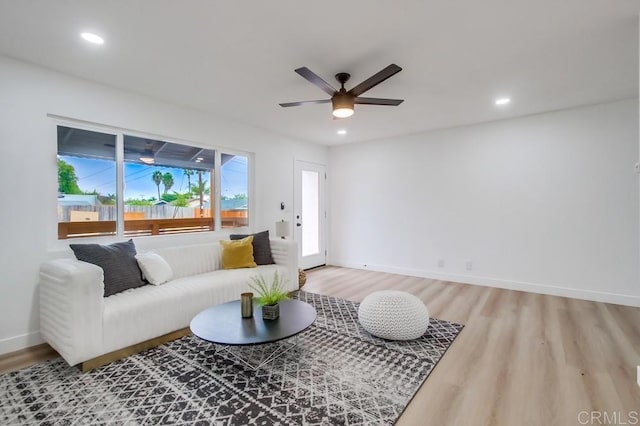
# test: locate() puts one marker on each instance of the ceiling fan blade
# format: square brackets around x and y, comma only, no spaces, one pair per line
[290,104]
[375,79]
[378,101]
[315,79]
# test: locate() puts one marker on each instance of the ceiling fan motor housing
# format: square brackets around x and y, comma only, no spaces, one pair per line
[342,99]
[343,77]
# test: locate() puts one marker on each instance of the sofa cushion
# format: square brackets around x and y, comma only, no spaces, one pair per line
[261,247]
[155,269]
[238,254]
[186,261]
[118,263]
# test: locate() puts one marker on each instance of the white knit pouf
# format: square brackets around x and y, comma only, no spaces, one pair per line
[393,315]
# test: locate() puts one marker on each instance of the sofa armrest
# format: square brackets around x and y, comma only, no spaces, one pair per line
[285,253]
[71,308]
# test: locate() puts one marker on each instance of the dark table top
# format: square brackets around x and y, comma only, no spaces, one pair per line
[224,323]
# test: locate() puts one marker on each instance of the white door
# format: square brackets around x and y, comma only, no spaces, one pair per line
[310,214]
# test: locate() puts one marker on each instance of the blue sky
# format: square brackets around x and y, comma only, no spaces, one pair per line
[101,176]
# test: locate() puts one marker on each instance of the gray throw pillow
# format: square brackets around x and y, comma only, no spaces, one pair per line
[121,270]
[261,247]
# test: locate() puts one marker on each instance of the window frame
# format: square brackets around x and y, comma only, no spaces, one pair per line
[215,189]
[91,127]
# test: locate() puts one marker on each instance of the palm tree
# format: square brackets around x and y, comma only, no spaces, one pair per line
[188,173]
[200,191]
[167,181]
[157,179]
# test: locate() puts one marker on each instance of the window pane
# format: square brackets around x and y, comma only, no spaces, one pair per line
[167,187]
[234,191]
[310,213]
[86,183]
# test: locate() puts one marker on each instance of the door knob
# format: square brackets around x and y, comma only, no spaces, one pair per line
[298,224]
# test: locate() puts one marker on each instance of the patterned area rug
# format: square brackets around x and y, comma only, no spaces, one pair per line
[337,374]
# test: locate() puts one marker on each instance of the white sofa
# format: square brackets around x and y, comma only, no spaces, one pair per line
[82,325]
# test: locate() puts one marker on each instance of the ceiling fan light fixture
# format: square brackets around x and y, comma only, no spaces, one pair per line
[343,112]
[342,105]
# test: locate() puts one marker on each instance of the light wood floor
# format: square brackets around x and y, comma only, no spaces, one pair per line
[20,359]
[522,358]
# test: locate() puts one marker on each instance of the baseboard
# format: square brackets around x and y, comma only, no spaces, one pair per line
[15,343]
[596,296]
[27,357]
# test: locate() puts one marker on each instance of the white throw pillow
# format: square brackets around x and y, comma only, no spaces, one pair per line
[155,269]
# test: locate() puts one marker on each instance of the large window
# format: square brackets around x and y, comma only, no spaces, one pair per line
[86,183]
[167,187]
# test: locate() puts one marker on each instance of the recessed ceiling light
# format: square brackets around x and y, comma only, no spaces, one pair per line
[502,101]
[342,132]
[92,38]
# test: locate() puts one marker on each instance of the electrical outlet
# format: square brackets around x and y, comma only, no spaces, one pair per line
[440,263]
[468,265]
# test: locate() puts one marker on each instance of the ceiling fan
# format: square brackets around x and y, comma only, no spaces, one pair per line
[147,155]
[343,100]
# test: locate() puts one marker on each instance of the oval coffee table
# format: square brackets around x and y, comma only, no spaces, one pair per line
[224,325]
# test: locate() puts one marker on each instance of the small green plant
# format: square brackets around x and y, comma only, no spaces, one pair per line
[269,294]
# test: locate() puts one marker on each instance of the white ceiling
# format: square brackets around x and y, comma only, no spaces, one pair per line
[236,58]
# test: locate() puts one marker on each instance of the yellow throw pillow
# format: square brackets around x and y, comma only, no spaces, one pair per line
[238,253]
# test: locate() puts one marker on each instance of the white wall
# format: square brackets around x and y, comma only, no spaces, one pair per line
[545,203]
[28,173]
